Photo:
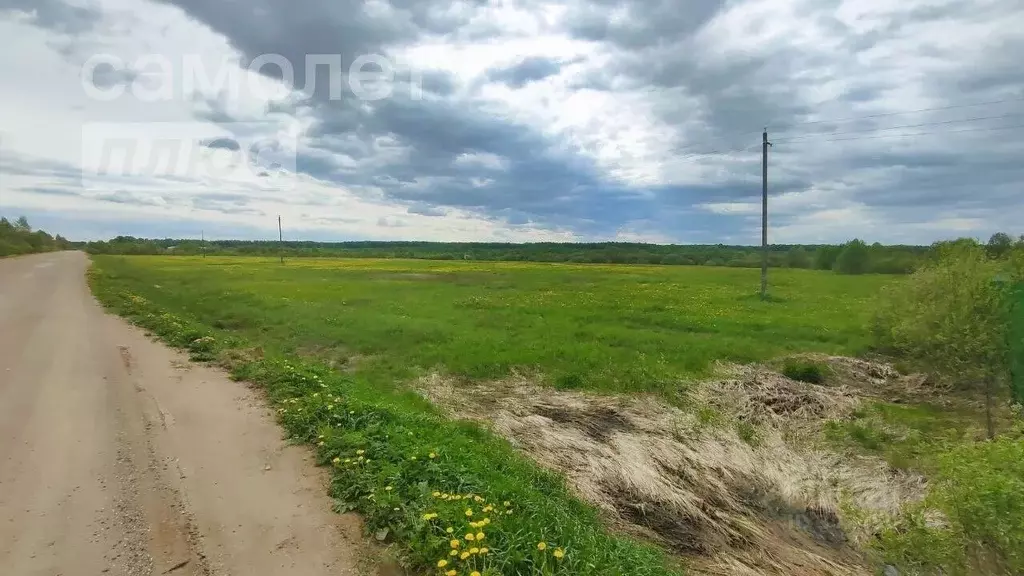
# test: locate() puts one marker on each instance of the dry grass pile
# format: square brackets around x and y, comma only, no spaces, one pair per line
[728,502]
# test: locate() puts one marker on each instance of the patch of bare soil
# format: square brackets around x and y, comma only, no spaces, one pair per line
[772,504]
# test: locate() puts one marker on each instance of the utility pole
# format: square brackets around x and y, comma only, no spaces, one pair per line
[280,239]
[202,242]
[764,214]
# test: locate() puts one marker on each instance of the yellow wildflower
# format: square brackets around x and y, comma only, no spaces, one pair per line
[450,573]
[442,563]
[469,512]
[469,537]
[436,494]
[455,543]
[479,536]
[432,455]
[559,553]
[542,546]
[474,573]
[474,550]
[387,488]
[484,550]
[336,460]
[464,555]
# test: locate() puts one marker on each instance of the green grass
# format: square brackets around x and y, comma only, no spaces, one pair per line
[601,327]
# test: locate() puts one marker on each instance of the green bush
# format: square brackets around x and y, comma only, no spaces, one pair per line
[805,370]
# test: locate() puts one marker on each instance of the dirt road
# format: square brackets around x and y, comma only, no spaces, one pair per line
[119,457]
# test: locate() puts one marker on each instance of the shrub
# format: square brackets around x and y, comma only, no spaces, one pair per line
[805,370]
[951,315]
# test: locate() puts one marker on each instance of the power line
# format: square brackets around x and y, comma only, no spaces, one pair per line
[987,129]
[918,111]
[923,124]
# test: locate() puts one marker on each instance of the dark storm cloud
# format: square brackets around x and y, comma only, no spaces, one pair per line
[55,15]
[416,151]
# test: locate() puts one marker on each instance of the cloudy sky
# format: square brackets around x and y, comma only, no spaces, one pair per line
[514,120]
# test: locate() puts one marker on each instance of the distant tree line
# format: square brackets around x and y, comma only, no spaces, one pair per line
[854,257]
[19,238]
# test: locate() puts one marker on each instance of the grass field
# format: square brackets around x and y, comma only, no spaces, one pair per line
[609,328]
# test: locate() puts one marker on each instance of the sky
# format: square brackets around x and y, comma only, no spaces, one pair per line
[514,120]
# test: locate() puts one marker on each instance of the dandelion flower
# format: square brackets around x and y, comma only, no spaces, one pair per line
[387,488]
[437,494]
[336,461]
[469,537]
[455,543]
[360,452]
[484,550]
[442,563]
[559,553]
[542,546]
[432,455]
[474,550]
[450,530]
[450,573]
[453,553]
[479,536]
[464,555]
[469,512]
[474,573]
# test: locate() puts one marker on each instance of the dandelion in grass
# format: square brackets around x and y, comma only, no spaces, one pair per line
[559,553]
[455,543]
[388,488]
[542,546]
[442,563]
[464,555]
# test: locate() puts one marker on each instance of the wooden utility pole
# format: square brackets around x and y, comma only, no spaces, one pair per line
[202,242]
[764,214]
[280,239]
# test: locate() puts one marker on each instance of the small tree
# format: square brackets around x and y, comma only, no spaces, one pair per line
[854,258]
[999,245]
[952,315]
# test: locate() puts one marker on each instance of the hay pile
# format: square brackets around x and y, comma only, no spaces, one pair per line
[730,506]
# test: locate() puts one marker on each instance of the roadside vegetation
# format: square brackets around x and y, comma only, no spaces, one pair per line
[956,319]
[18,237]
[343,347]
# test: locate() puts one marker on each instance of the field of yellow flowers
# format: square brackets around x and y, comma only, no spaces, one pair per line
[339,341]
